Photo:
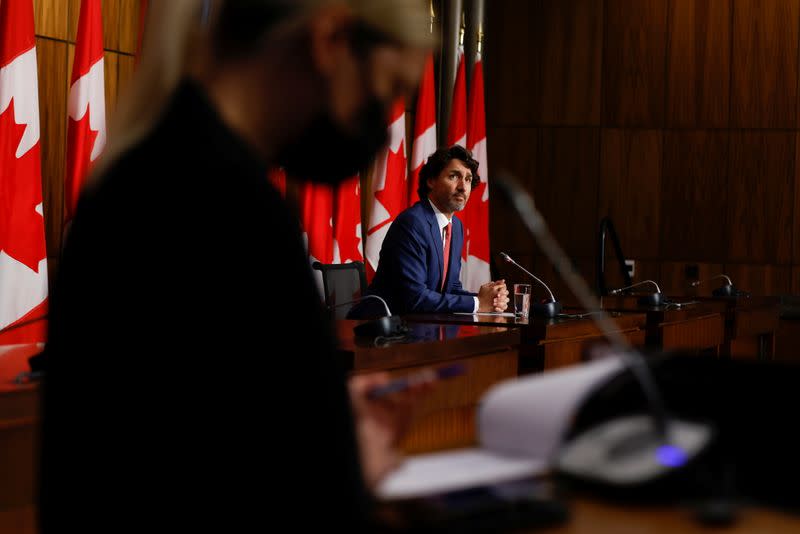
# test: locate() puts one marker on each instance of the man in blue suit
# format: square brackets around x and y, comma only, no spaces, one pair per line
[420,260]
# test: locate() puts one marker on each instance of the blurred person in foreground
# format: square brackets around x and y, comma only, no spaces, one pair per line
[191,374]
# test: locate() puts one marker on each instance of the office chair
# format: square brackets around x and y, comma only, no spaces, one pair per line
[342,283]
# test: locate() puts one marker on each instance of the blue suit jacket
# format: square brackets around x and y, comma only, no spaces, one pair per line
[410,268]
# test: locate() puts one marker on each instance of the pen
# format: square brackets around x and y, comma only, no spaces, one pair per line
[420,377]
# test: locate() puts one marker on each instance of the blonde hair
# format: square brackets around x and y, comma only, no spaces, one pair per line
[178,36]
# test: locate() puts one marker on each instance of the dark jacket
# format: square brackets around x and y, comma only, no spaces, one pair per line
[191,373]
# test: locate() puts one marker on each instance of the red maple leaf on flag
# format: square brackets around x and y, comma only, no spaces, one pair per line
[393,195]
[21,227]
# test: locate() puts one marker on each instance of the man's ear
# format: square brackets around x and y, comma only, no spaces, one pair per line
[329,37]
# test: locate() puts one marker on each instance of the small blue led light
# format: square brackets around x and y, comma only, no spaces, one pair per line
[671,456]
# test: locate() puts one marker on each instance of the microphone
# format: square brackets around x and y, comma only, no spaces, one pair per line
[387,326]
[653,299]
[728,290]
[550,308]
[628,450]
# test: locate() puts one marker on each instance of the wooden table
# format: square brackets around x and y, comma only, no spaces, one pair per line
[550,343]
[446,418]
[699,326]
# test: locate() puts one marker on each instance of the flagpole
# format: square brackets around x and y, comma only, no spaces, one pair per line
[474,36]
[451,29]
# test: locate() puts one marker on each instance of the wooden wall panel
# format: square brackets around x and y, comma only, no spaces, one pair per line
[796,214]
[796,281]
[111,73]
[127,66]
[694,191]
[567,160]
[633,63]
[698,63]
[52,64]
[764,63]
[761,279]
[761,197]
[630,183]
[50,18]
[512,150]
[128,25]
[570,56]
[511,62]
[676,281]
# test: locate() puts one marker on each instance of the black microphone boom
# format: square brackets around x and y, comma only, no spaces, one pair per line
[727,290]
[550,308]
[630,450]
[653,299]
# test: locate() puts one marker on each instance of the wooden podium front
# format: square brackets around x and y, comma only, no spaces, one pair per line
[699,326]
[750,325]
[19,436]
[446,418]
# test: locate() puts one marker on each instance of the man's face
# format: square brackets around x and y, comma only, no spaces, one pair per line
[450,190]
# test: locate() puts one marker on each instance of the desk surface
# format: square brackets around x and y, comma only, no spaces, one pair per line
[426,343]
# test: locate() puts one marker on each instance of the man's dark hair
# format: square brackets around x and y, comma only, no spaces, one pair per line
[441,159]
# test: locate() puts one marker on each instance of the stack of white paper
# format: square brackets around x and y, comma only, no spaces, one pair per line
[521,424]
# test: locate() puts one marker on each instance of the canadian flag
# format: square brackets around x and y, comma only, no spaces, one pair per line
[316,217]
[23,255]
[424,129]
[457,128]
[389,186]
[87,104]
[475,254]
[347,222]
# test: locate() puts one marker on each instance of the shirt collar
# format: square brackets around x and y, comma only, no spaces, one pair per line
[441,218]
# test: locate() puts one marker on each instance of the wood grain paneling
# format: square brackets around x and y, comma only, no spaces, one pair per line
[127,67]
[761,279]
[52,64]
[128,25]
[511,62]
[567,161]
[512,150]
[633,63]
[764,63]
[111,72]
[630,184]
[693,192]
[760,197]
[676,280]
[570,57]
[50,18]
[796,281]
[796,214]
[698,63]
